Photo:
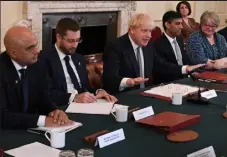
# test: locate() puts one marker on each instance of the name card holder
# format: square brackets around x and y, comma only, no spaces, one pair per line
[143,113]
[206,152]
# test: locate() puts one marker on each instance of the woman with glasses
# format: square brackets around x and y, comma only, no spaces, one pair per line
[207,46]
[189,25]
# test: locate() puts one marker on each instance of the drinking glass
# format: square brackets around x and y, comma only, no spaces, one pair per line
[67,153]
[84,152]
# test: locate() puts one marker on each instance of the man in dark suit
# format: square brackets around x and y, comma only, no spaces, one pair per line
[67,69]
[24,98]
[129,62]
[170,47]
[223,32]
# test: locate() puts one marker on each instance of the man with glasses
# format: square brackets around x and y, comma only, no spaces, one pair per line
[67,69]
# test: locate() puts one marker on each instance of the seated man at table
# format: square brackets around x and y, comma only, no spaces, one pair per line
[129,62]
[67,69]
[223,32]
[170,47]
[24,99]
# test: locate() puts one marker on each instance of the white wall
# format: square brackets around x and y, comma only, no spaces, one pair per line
[11,11]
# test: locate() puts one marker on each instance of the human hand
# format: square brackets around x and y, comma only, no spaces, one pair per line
[85,97]
[49,122]
[103,94]
[193,67]
[135,81]
[59,117]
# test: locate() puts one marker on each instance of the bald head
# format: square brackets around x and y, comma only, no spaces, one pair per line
[21,45]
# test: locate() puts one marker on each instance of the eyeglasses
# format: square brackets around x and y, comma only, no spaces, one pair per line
[72,41]
[210,26]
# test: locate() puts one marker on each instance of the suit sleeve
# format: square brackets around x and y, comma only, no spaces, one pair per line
[111,67]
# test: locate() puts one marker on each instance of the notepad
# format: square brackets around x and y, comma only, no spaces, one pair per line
[59,129]
[35,149]
[90,108]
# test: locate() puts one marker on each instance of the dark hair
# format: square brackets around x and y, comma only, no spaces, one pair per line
[185,3]
[169,16]
[66,24]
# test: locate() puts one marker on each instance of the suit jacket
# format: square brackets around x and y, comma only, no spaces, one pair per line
[12,114]
[57,80]
[164,49]
[120,61]
[223,32]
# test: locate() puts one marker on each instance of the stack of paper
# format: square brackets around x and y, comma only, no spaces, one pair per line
[35,149]
[102,108]
[59,129]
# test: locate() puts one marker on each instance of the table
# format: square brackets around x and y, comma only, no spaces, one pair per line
[141,140]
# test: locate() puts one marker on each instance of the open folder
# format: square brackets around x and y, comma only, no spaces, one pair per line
[213,77]
[170,121]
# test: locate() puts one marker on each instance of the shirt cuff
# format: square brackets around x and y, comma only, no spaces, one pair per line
[183,69]
[41,121]
[123,84]
[71,98]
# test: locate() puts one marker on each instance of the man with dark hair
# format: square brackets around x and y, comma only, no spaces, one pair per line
[170,47]
[24,100]
[67,69]
[223,32]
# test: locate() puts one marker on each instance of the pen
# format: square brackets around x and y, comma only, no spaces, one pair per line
[34,132]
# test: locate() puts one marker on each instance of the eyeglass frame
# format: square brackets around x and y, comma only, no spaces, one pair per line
[213,27]
[72,42]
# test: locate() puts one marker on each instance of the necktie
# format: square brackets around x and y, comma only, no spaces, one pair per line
[24,88]
[139,60]
[178,53]
[72,75]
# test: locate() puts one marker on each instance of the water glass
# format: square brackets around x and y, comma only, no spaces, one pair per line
[85,153]
[67,153]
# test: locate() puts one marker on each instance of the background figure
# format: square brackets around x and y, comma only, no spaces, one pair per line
[67,69]
[170,47]
[207,46]
[23,93]
[223,32]
[189,25]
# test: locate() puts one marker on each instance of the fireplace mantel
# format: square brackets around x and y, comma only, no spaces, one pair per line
[33,11]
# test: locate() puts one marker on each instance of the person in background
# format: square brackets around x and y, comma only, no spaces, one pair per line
[67,69]
[189,25]
[170,47]
[223,32]
[207,46]
[24,100]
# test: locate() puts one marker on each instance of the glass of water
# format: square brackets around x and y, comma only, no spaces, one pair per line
[67,153]
[84,152]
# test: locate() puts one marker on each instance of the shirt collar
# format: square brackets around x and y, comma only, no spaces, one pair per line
[17,66]
[134,45]
[60,53]
[169,38]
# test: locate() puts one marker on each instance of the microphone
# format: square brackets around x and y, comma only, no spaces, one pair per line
[196,98]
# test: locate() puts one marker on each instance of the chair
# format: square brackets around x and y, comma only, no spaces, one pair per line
[156,33]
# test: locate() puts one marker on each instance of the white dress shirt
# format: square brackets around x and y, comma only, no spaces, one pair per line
[183,69]
[70,86]
[123,84]
[42,118]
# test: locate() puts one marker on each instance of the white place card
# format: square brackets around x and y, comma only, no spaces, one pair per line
[206,152]
[143,113]
[110,138]
[209,94]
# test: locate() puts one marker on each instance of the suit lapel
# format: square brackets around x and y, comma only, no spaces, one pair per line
[57,67]
[131,56]
[169,49]
[14,78]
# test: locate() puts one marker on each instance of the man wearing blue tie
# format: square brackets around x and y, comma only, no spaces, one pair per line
[67,69]
[24,97]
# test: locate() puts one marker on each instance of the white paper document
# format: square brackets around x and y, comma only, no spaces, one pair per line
[59,129]
[35,149]
[206,152]
[90,108]
[169,89]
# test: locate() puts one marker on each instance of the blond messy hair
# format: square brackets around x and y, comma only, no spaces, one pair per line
[138,19]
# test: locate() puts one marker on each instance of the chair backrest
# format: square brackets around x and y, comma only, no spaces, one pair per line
[156,33]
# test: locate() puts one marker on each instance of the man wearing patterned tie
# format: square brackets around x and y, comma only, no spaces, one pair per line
[67,69]
[24,100]
[170,47]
